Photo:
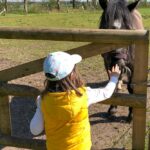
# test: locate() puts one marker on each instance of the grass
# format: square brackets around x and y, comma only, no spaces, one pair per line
[146,17]
[28,50]
[83,19]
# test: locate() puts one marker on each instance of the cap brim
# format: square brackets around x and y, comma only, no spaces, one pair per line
[76,58]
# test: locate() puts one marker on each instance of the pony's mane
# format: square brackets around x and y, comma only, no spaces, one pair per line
[116,9]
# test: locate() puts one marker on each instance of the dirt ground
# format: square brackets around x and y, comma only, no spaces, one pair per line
[107,133]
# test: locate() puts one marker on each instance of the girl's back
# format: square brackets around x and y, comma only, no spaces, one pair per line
[66,120]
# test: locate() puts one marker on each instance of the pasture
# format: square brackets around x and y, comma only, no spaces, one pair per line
[106,133]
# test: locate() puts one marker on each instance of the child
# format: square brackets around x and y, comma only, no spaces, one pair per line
[62,108]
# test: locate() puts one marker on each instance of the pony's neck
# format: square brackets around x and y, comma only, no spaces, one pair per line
[137,20]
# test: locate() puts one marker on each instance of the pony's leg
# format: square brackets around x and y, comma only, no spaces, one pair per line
[130,89]
[130,114]
[112,110]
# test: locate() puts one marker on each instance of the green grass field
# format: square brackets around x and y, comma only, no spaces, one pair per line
[29,50]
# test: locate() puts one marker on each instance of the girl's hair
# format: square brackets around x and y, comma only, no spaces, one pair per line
[72,82]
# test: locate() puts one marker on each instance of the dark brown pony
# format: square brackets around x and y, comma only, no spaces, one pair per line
[117,14]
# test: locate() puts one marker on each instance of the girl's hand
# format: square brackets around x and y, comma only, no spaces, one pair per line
[115,71]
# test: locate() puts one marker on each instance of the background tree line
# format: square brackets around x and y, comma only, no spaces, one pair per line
[27,6]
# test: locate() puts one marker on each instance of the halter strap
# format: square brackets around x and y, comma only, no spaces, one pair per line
[121,56]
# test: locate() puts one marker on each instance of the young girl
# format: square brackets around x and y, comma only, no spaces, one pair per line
[62,108]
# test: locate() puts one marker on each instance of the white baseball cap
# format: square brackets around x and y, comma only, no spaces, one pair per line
[60,64]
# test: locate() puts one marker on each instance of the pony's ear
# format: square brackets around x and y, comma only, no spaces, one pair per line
[133,5]
[103,4]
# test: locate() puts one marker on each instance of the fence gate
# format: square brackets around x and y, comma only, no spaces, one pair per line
[100,41]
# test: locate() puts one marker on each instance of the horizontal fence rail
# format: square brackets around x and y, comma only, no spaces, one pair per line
[133,100]
[36,66]
[76,35]
[18,90]
[101,41]
[35,144]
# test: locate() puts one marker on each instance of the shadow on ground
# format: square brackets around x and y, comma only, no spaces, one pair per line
[22,110]
[104,117]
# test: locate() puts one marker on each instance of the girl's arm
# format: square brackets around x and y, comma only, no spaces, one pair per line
[37,122]
[100,94]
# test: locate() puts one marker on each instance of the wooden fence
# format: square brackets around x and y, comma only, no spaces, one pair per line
[100,41]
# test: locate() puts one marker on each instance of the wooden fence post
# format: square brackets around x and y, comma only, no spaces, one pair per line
[5,125]
[140,80]
[149,140]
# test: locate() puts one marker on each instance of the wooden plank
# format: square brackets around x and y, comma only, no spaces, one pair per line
[149,140]
[139,125]
[36,144]
[79,35]
[140,76]
[140,68]
[18,90]
[5,125]
[22,70]
[136,101]
[35,66]
[121,99]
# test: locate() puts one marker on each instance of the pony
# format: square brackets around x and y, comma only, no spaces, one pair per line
[118,14]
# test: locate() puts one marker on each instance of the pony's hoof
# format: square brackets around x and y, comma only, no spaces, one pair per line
[112,111]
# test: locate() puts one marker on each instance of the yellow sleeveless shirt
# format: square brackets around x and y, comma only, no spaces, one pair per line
[66,121]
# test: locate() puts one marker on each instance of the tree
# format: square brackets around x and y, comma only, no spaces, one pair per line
[145,1]
[5,5]
[26,6]
[58,4]
[73,3]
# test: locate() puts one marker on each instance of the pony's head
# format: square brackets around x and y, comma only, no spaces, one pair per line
[117,14]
